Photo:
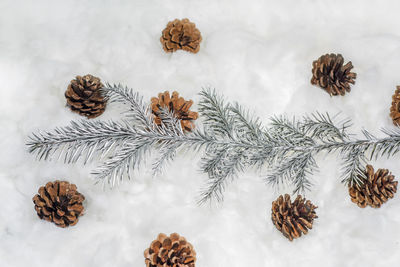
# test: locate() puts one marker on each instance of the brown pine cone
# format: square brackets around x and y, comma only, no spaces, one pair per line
[292,219]
[59,202]
[330,74]
[376,189]
[84,96]
[178,105]
[171,250]
[181,34]
[395,108]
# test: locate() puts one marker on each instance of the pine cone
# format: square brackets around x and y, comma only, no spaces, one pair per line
[292,219]
[395,108]
[178,105]
[330,74]
[376,189]
[172,251]
[181,34]
[84,96]
[59,202]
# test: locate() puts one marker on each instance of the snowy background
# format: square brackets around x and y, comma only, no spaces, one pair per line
[257,52]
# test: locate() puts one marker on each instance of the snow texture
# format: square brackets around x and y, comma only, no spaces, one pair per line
[258,52]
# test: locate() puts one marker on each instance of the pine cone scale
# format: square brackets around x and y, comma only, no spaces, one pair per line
[186,106]
[286,232]
[301,227]
[60,212]
[175,38]
[46,197]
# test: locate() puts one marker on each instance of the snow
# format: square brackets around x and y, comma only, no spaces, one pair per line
[256,52]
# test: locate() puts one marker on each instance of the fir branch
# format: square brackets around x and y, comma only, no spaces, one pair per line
[226,166]
[231,141]
[247,128]
[306,168]
[164,137]
[80,139]
[322,127]
[167,154]
[168,149]
[388,146]
[128,157]
[215,112]
[294,170]
[226,162]
[353,164]
[139,112]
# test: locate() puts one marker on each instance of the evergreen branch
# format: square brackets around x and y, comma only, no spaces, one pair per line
[132,154]
[214,157]
[168,150]
[388,146]
[353,165]
[247,128]
[167,153]
[294,170]
[139,112]
[128,157]
[230,140]
[231,164]
[80,139]
[289,131]
[322,127]
[306,167]
[215,112]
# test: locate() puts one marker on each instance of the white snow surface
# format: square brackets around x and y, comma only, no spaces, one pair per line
[256,52]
